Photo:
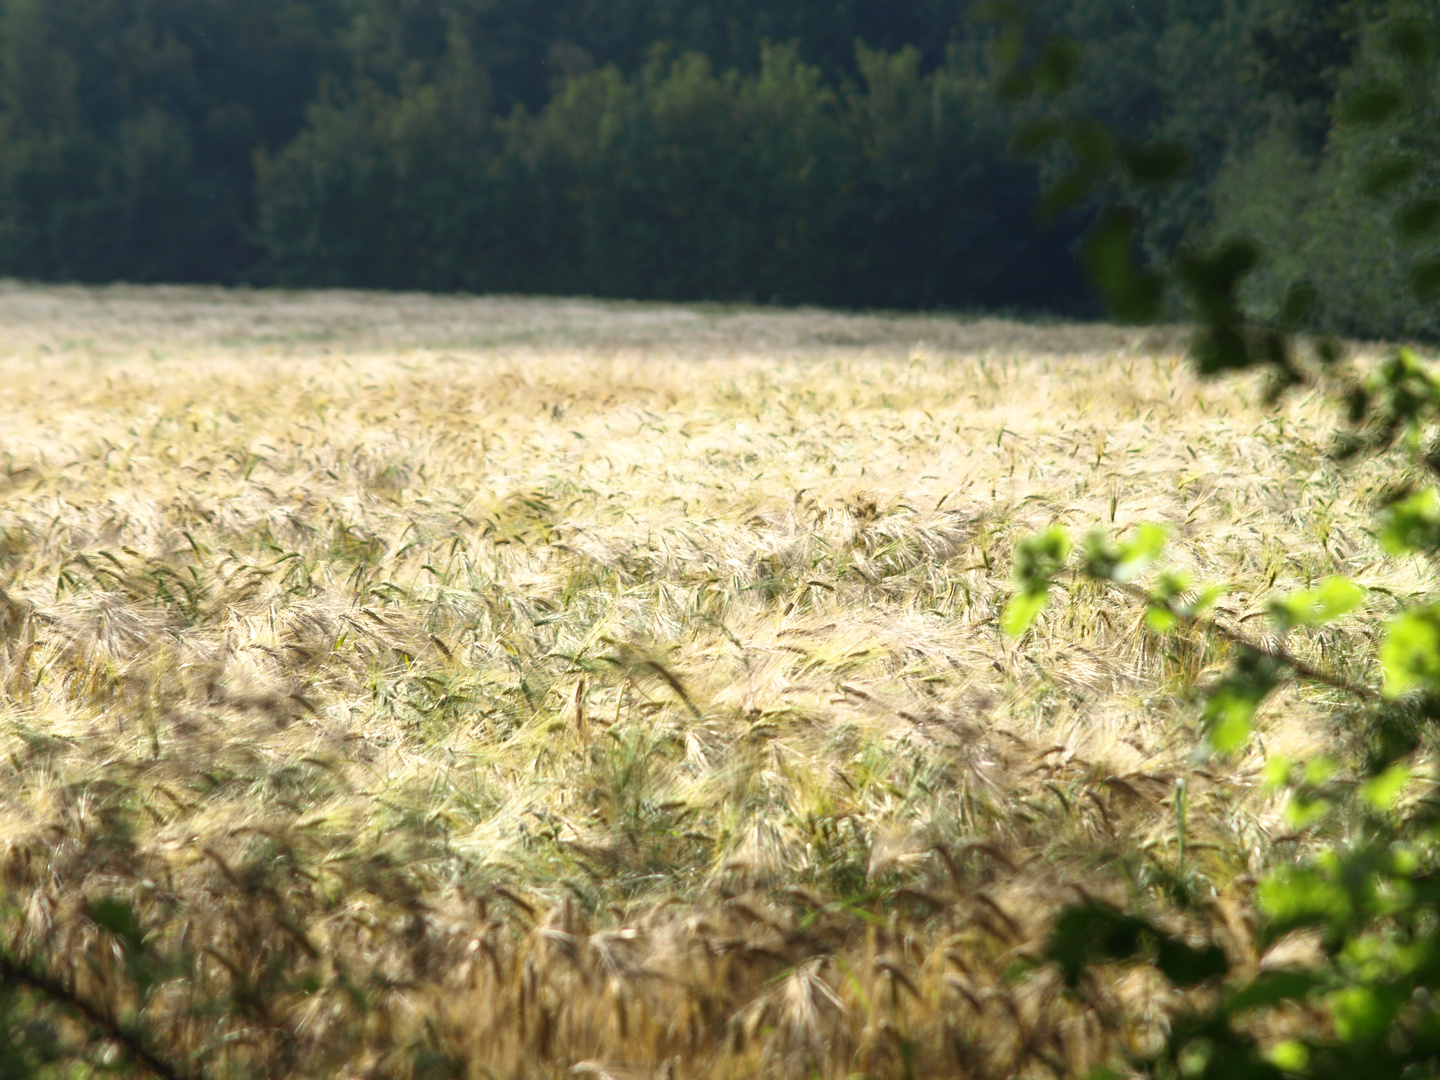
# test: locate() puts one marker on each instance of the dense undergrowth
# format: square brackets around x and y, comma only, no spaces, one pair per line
[404,687]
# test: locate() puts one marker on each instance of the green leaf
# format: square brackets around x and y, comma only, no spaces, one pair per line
[1302,811]
[1320,769]
[1161,619]
[1133,293]
[1139,550]
[1036,136]
[1092,933]
[1091,143]
[1277,771]
[1233,701]
[118,917]
[1387,175]
[1372,105]
[1417,218]
[1305,897]
[1270,988]
[1425,280]
[1057,66]
[1040,557]
[1022,611]
[1290,1056]
[1364,1014]
[1128,560]
[1336,596]
[1186,966]
[1409,41]
[1296,312]
[1412,523]
[1064,193]
[1410,654]
[1382,791]
[1207,598]
[1159,164]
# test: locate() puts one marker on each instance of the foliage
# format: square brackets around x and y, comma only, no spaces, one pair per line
[681,183]
[844,152]
[1364,1004]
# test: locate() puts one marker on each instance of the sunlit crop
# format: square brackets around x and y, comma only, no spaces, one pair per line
[395,686]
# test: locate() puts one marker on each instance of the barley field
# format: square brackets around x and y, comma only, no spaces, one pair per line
[397,686]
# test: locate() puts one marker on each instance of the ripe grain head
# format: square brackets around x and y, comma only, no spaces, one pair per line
[526,686]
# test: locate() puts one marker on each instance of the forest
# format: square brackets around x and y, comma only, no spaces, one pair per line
[835,152]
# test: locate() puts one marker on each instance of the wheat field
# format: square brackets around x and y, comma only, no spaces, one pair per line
[410,686]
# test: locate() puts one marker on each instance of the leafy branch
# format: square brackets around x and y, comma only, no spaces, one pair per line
[1375,898]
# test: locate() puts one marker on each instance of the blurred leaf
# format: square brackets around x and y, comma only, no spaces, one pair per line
[1270,988]
[1022,611]
[1186,966]
[1412,523]
[1329,351]
[1295,898]
[1417,218]
[1364,1013]
[1425,280]
[1161,619]
[1207,598]
[1320,769]
[1334,597]
[1126,561]
[1008,12]
[1290,1056]
[1092,933]
[1220,349]
[1372,105]
[1158,164]
[1064,193]
[1059,61]
[1095,933]
[1215,277]
[1382,791]
[1035,136]
[119,918]
[1277,771]
[1233,701]
[1040,557]
[1299,307]
[1409,41]
[1410,654]
[1091,143]
[1303,810]
[1017,85]
[1390,173]
[1134,293]
[1142,547]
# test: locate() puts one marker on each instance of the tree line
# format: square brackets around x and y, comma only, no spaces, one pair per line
[847,152]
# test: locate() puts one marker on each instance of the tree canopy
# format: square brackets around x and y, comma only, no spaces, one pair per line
[832,151]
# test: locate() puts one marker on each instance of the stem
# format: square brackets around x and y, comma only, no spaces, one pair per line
[1181,798]
[14,972]
[1275,652]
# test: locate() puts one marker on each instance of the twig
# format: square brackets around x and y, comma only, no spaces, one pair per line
[1273,652]
[129,1041]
